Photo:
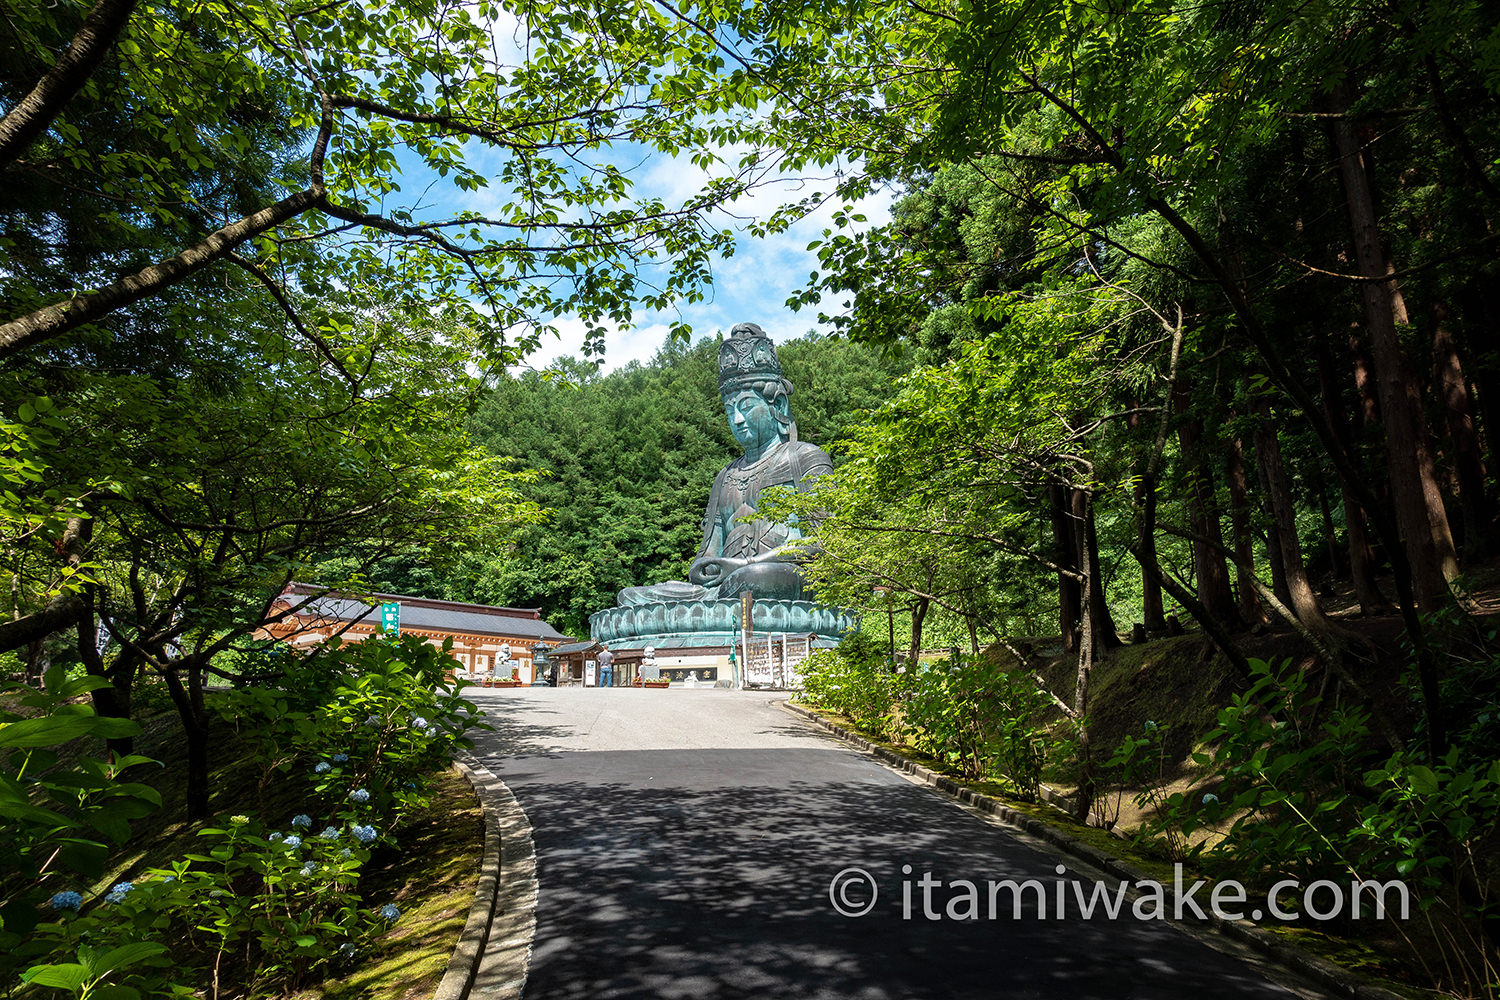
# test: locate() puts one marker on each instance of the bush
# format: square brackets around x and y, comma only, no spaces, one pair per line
[1307,796]
[975,715]
[857,682]
[966,712]
[60,819]
[360,727]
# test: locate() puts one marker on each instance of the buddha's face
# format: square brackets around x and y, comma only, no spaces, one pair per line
[752,420]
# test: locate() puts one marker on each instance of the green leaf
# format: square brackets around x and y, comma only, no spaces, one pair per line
[127,955]
[114,991]
[1423,780]
[86,857]
[68,976]
[45,732]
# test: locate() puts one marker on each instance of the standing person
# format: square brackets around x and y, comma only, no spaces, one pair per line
[606,666]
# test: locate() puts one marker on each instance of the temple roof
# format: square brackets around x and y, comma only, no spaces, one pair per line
[431,615]
[573,647]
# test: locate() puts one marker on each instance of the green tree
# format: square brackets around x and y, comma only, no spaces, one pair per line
[626,462]
[274,137]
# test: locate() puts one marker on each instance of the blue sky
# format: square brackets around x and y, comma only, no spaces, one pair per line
[751,286]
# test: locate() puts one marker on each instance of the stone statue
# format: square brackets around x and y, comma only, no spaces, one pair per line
[753,555]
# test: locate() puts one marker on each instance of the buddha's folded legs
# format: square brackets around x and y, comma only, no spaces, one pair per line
[663,593]
[768,581]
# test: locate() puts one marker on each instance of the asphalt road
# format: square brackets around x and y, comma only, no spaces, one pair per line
[686,841]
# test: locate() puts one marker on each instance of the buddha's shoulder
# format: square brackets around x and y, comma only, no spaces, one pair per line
[808,457]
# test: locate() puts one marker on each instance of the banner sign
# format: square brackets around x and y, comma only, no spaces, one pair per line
[390,618]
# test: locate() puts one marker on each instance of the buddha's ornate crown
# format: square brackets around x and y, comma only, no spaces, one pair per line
[747,359]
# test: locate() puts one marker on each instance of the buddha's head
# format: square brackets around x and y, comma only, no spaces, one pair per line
[757,399]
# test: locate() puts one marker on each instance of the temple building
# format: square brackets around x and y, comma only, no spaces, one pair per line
[477,630]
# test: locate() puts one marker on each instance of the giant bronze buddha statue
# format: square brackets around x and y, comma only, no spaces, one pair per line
[740,552]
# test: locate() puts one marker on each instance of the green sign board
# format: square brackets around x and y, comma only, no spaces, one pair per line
[390,618]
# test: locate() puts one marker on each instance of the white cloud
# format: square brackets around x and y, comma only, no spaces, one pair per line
[752,285]
[639,343]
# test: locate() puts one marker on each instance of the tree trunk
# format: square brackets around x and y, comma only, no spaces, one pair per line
[58,318]
[918,615]
[1336,567]
[890,618]
[1244,537]
[58,614]
[1356,531]
[114,700]
[1420,517]
[1464,450]
[1105,633]
[1274,556]
[1214,592]
[1304,603]
[1065,554]
[1152,612]
[1151,603]
[36,661]
[35,113]
[1083,510]
[189,703]
[1481,310]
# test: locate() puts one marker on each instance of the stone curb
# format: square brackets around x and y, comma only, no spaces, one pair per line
[494,950]
[1292,958]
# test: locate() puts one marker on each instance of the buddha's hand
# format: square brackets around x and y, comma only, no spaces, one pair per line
[710,570]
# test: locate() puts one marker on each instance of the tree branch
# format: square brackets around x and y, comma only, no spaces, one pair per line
[60,317]
[261,276]
[35,112]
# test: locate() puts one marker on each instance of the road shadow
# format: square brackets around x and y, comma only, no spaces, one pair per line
[517,727]
[694,874]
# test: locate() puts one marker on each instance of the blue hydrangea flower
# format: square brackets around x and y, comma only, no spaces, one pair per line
[323,767]
[420,723]
[365,834]
[339,758]
[346,853]
[1210,797]
[346,950]
[118,892]
[274,836]
[359,795]
[390,913]
[293,842]
[70,901]
[309,868]
[302,821]
[330,833]
[373,721]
